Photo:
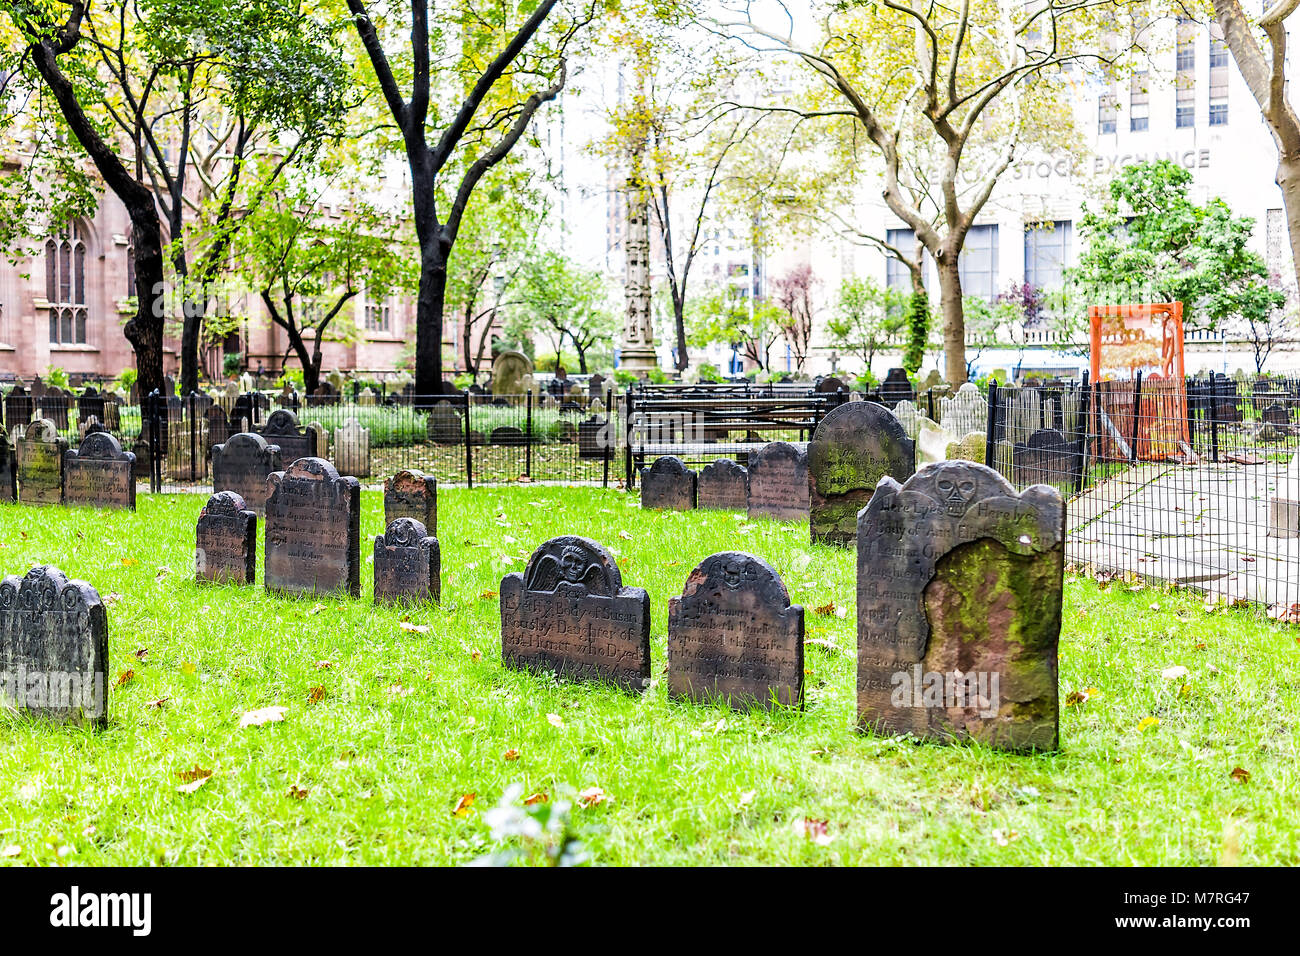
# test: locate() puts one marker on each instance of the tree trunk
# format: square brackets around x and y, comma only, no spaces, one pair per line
[954,320]
[428,318]
[679,317]
[1288,180]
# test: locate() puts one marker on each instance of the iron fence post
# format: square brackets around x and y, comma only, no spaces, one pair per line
[469,446]
[528,436]
[1137,416]
[607,446]
[155,452]
[991,428]
[194,436]
[627,443]
[1085,437]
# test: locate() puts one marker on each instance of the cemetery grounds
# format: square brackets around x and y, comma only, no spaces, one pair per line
[403,739]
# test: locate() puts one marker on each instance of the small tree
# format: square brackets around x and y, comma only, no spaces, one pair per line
[866,317]
[727,316]
[306,267]
[567,301]
[793,295]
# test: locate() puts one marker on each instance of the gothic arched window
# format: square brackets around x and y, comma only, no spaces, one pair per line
[65,285]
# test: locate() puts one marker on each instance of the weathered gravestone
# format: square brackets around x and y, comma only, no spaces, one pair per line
[896,388]
[722,484]
[778,483]
[352,449]
[959,608]
[99,473]
[568,612]
[54,648]
[507,435]
[8,469]
[282,429]
[668,484]
[243,464]
[444,425]
[322,441]
[965,412]
[832,385]
[1284,502]
[734,634]
[909,417]
[407,564]
[594,438]
[219,430]
[971,447]
[225,549]
[18,407]
[412,494]
[313,530]
[508,370]
[854,447]
[1046,458]
[40,464]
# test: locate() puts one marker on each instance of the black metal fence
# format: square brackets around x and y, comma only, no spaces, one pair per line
[1195,483]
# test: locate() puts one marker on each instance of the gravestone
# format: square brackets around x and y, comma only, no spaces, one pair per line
[444,425]
[40,464]
[8,469]
[668,484]
[896,388]
[568,612]
[1046,458]
[854,446]
[241,415]
[722,484]
[313,530]
[243,464]
[909,417]
[412,494]
[53,648]
[967,411]
[832,385]
[592,441]
[971,447]
[19,407]
[565,432]
[367,397]
[322,440]
[959,608]
[596,386]
[99,473]
[733,634]
[778,483]
[219,430]
[407,565]
[53,405]
[90,404]
[352,449]
[143,459]
[295,442]
[1284,502]
[507,435]
[932,442]
[225,549]
[508,370]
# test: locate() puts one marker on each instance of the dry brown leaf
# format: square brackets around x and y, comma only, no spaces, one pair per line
[511,754]
[415,628]
[111,598]
[536,798]
[591,797]
[124,678]
[487,595]
[819,831]
[1075,698]
[160,703]
[324,665]
[1240,774]
[826,610]
[11,851]
[297,792]
[189,776]
[316,609]
[142,653]
[464,806]
[317,694]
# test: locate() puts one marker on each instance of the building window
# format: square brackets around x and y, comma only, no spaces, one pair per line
[378,317]
[1047,252]
[1218,77]
[65,285]
[978,262]
[1185,77]
[897,274]
[1218,48]
[1185,58]
[1107,113]
[1139,102]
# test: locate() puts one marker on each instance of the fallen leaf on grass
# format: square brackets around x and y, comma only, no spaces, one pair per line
[1285,614]
[1148,722]
[324,665]
[1075,698]
[142,653]
[297,792]
[747,798]
[317,694]
[1240,774]
[415,628]
[819,831]
[124,678]
[536,798]
[111,598]
[555,720]
[160,703]
[511,754]
[625,535]
[1004,837]
[591,797]
[464,806]
[1173,673]
[189,776]
[266,715]
[487,595]
[11,851]
[187,667]
[126,562]
[826,610]
[162,574]
[315,609]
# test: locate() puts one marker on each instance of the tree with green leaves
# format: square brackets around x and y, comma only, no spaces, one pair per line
[565,300]
[310,249]
[477,75]
[1148,241]
[945,97]
[167,98]
[864,319]
[726,315]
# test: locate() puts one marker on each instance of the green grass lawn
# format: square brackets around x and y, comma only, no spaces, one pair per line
[387,729]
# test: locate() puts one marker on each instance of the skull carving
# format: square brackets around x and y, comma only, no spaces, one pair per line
[956,489]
